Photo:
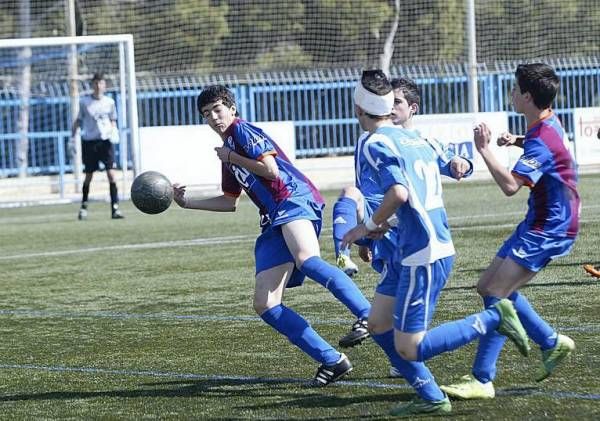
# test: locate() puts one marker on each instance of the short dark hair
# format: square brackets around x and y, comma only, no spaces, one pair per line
[98,76]
[376,81]
[214,93]
[540,80]
[409,88]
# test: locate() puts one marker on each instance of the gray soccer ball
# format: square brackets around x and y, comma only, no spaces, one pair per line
[151,192]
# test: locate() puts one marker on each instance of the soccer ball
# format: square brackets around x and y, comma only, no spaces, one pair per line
[151,192]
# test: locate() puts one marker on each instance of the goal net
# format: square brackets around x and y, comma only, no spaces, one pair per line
[243,36]
[181,42]
[41,83]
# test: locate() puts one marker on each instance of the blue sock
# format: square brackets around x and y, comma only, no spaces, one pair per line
[344,219]
[452,335]
[415,373]
[488,351]
[293,326]
[538,330]
[340,285]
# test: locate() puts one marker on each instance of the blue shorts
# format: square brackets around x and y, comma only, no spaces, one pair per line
[417,294]
[270,249]
[382,250]
[388,281]
[533,249]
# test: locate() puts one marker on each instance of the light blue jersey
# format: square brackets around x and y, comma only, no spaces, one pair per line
[393,155]
[367,182]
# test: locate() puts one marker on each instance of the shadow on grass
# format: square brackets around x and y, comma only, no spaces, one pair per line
[180,388]
[235,393]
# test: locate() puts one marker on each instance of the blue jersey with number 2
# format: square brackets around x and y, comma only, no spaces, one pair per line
[393,155]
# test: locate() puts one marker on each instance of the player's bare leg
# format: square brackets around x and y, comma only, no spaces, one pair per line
[269,287]
[303,244]
[381,324]
[268,295]
[503,277]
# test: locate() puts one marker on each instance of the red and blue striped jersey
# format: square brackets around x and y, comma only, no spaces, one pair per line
[547,167]
[268,195]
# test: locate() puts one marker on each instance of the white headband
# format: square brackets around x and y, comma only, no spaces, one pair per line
[372,103]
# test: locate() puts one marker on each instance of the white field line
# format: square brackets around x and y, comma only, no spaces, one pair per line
[58,216]
[249,380]
[170,317]
[218,241]
[140,246]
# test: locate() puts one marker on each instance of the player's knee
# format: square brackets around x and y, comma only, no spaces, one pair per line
[352,193]
[407,351]
[264,300]
[260,306]
[490,291]
[482,290]
[260,302]
[378,326]
[302,256]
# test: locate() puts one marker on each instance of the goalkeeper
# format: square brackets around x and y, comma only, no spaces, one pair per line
[97,119]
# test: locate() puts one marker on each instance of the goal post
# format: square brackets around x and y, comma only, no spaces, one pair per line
[51,102]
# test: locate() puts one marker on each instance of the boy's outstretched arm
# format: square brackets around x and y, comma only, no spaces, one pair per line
[223,203]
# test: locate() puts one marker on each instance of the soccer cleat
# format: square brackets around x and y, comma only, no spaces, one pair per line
[117,214]
[82,214]
[470,388]
[330,373]
[358,333]
[595,272]
[554,356]
[395,373]
[419,406]
[347,265]
[511,327]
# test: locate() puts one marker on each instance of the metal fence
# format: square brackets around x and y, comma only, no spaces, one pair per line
[320,104]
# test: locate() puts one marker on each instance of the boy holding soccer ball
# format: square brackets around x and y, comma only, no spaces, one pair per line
[287,249]
[548,231]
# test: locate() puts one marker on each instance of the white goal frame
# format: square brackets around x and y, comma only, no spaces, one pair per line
[127,87]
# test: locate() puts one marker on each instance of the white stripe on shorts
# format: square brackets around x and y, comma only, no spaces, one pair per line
[427,294]
[407,299]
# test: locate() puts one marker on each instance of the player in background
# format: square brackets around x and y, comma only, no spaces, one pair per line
[406,168]
[548,231]
[290,210]
[97,119]
[357,203]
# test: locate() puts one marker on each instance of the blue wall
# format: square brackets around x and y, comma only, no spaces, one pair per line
[319,103]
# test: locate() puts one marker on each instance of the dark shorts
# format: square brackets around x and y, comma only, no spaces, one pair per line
[95,151]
